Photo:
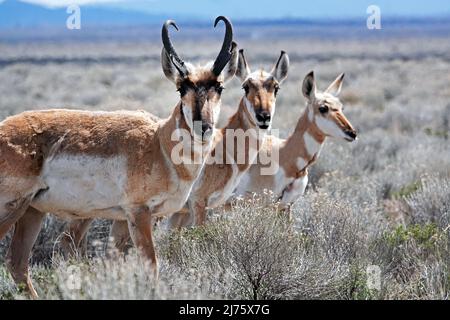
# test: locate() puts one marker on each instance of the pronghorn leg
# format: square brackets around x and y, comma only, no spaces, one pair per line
[6,223]
[157,221]
[198,210]
[227,206]
[13,211]
[140,228]
[180,219]
[120,234]
[286,211]
[25,233]
[73,238]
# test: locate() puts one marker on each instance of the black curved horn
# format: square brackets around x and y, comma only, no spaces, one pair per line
[176,60]
[225,53]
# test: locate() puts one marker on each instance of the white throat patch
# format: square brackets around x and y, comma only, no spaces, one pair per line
[250,110]
[187,113]
[312,146]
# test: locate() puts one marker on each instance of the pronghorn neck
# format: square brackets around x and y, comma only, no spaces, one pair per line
[241,123]
[169,139]
[303,147]
[242,118]
[175,121]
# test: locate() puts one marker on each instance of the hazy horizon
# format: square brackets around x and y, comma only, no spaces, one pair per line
[204,10]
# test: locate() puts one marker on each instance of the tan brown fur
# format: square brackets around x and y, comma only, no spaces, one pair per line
[201,77]
[214,177]
[262,91]
[294,147]
[132,134]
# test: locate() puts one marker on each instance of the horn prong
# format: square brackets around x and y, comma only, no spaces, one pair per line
[170,50]
[225,52]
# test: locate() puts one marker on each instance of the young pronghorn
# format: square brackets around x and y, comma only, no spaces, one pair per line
[114,165]
[323,117]
[219,178]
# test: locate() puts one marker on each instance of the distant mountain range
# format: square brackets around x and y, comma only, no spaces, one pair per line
[21,21]
[15,14]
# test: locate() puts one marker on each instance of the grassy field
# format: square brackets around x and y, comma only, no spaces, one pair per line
[382,201]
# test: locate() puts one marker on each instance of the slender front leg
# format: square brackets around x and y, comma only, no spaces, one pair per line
[25,233]
[75,235]
[140,228]
[120,234]
[180,219]
[286,211]
[11,213]
[198,210]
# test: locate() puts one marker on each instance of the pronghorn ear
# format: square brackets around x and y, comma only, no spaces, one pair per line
[336,86]
[168,67]
[243,69]
[231,67]
[280,70]
[309,86]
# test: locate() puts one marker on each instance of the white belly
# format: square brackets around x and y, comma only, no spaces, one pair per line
[282,186]
[83,186]
[252,182]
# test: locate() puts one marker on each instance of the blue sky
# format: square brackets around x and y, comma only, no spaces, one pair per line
[263,9]
[296,8]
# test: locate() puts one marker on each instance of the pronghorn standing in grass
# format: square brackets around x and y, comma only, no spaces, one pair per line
[323,117]
[255,112]
[223,170]
[113,165]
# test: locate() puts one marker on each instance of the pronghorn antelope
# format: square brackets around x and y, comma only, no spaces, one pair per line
[323,117]
[218,180]
[114,165]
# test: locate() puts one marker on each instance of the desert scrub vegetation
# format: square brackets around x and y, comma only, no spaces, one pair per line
[381,201]
[253,253]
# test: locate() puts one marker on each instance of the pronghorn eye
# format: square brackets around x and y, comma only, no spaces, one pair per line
[276,89]
[323,109]
[246,88]
[182,90]
[219,89]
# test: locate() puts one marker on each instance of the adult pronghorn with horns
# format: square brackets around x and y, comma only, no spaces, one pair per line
[114,165]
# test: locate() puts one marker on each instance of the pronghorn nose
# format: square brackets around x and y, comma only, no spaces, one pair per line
[263,116]
[351,133]
[206,127]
